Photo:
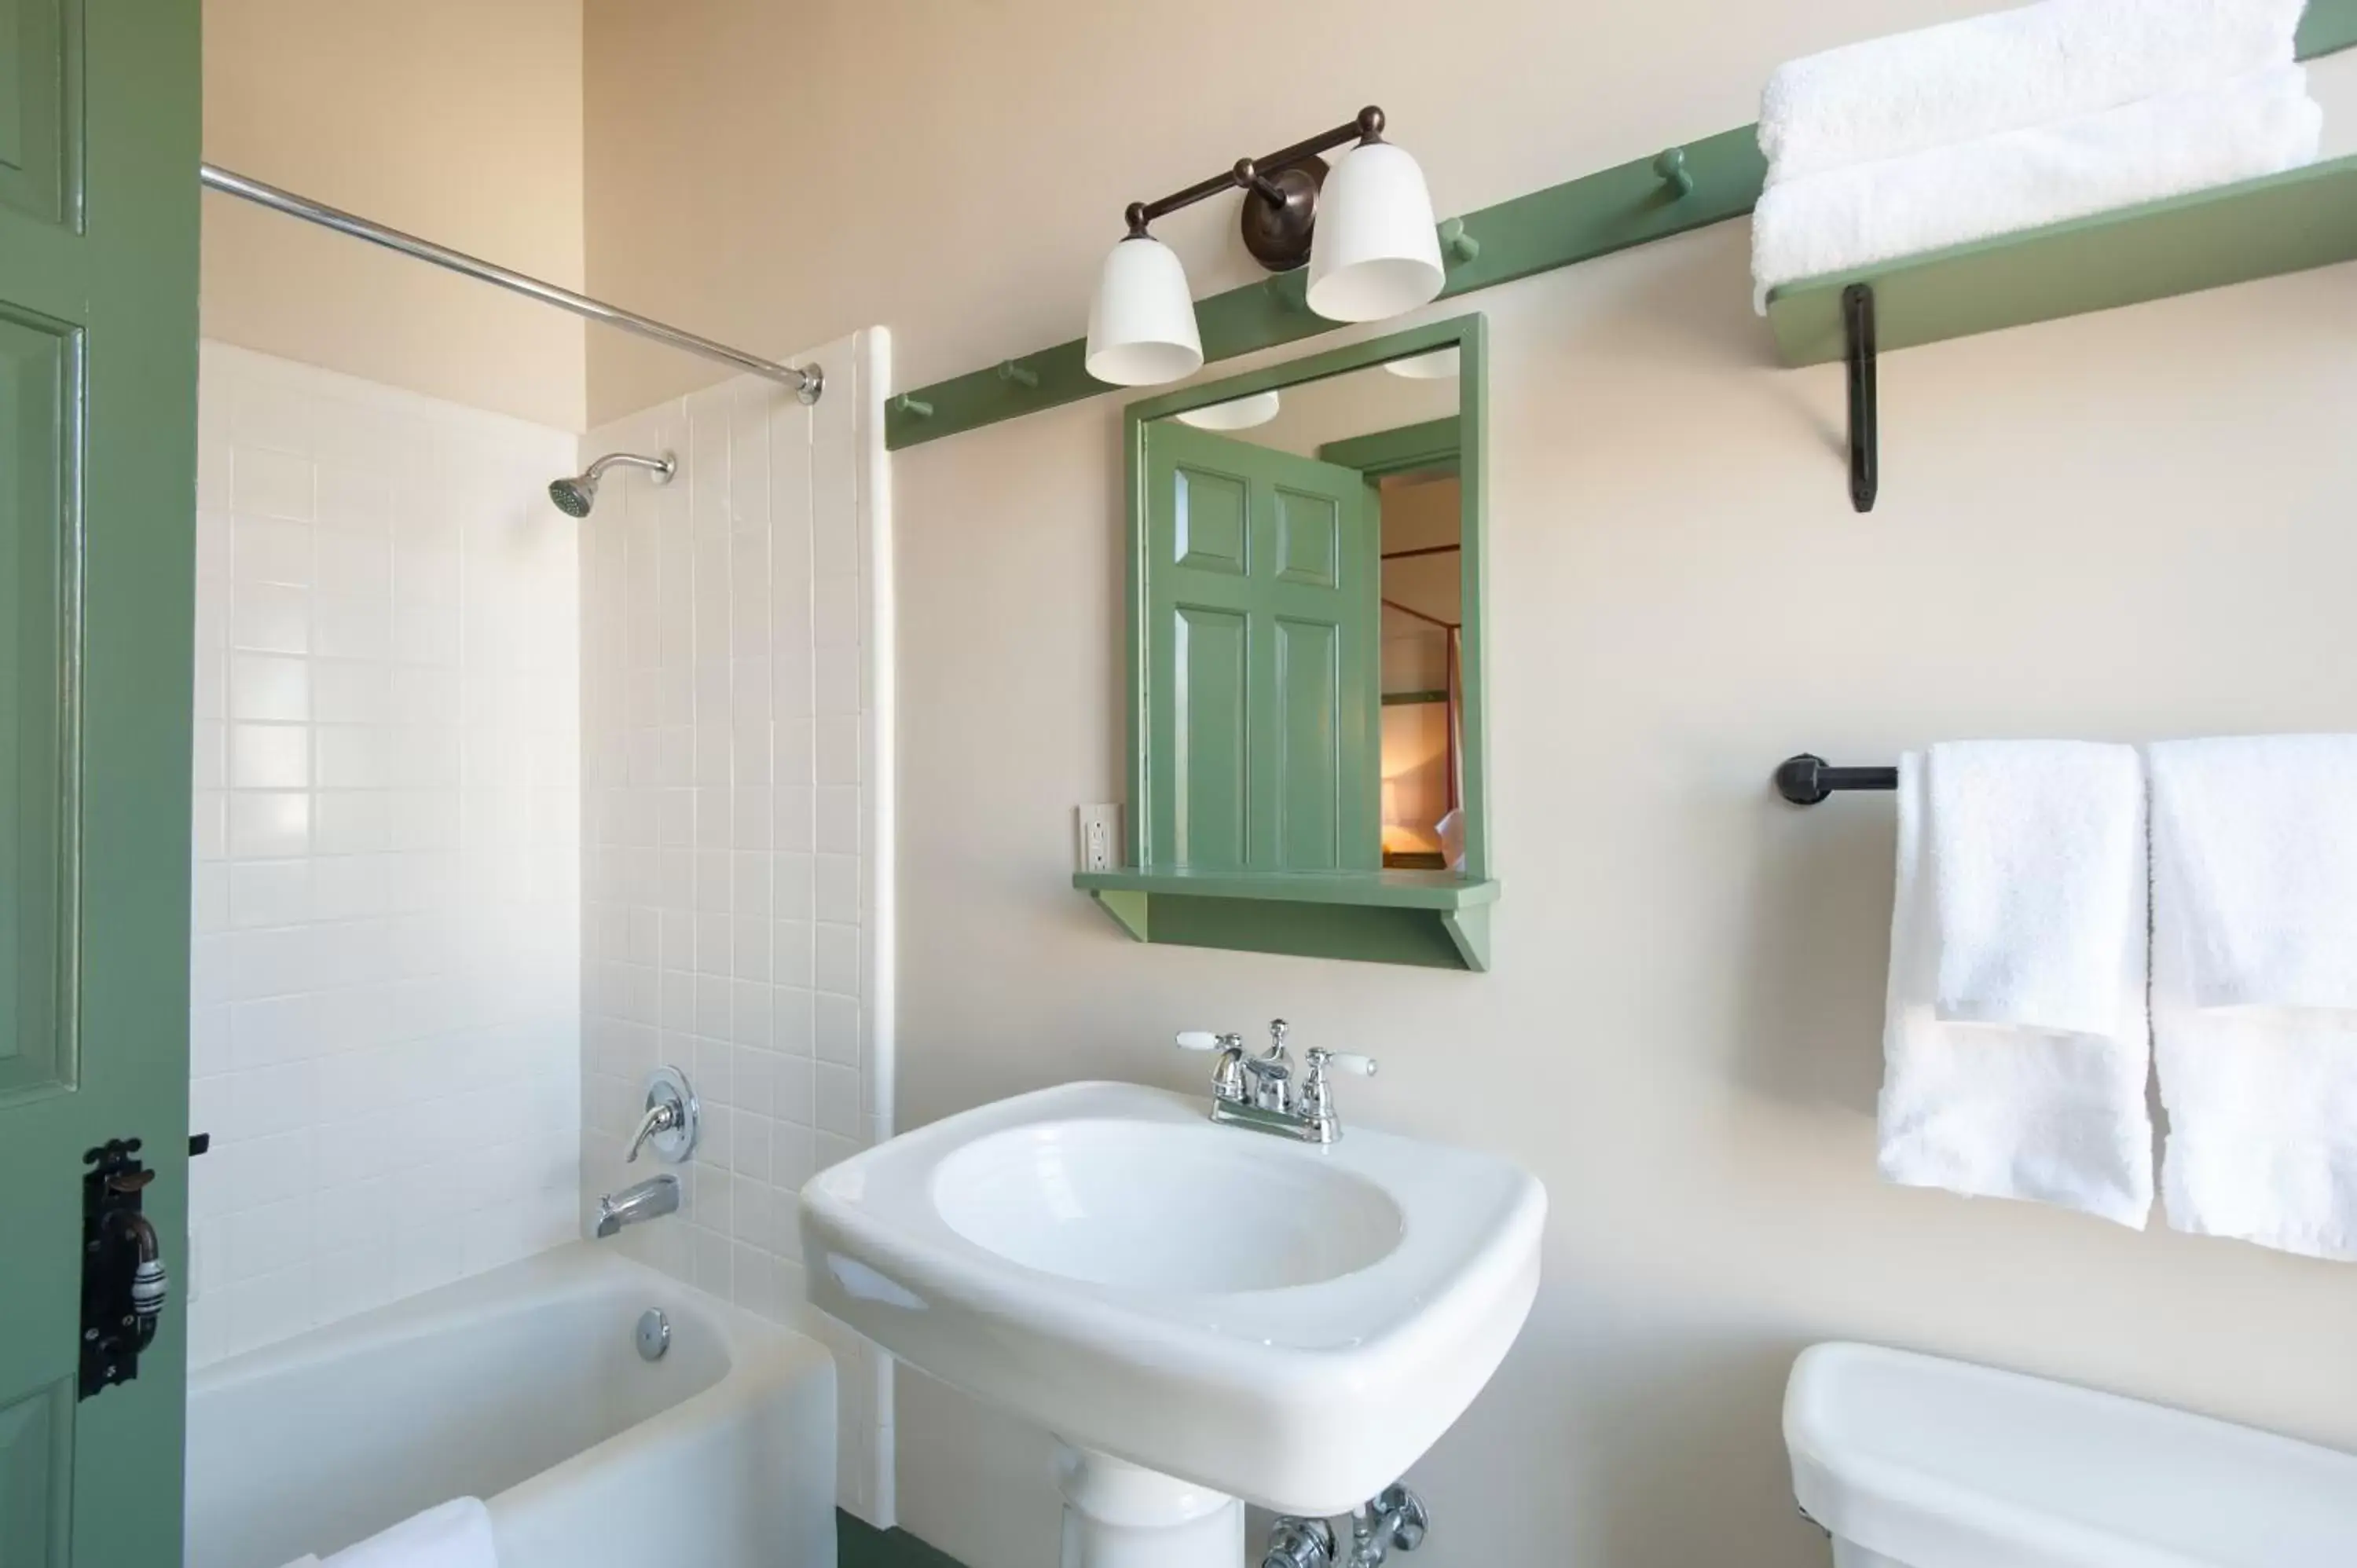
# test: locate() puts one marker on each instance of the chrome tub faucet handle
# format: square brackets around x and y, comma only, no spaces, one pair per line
[672,1120]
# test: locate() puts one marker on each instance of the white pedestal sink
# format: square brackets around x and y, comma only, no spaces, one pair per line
[1202,1313]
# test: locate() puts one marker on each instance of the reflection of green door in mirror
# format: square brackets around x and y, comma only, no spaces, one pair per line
[1261,657]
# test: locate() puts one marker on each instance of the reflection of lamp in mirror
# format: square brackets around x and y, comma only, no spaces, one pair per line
[1440,365]
[1236,413]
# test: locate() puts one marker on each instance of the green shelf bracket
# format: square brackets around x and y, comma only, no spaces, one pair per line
[1469,930]
[1128,910]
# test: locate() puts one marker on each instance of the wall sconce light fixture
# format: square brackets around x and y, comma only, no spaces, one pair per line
[1375,253]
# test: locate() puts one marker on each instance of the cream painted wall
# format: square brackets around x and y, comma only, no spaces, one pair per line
[453,119]
[2123,526]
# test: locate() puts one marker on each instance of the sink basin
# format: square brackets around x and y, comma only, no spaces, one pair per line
[1245,1316]
[1115,1203]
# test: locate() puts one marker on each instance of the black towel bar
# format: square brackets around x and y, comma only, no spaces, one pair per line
[1808,778]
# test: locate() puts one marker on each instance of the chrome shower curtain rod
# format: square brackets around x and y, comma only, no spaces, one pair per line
[808,381]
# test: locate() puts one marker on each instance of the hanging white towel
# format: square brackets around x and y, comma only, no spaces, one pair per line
[2257,124]
[2254,987]
[456,1534]
[2036,857]
[2008,70]
[2001,1108]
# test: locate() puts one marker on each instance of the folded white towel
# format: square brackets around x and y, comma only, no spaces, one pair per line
[1995,1109]
[2036,857]
[2258,124]
[2255,942]
[456,1534]
[2009,70]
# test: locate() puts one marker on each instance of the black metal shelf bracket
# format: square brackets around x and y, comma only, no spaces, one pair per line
[1808,778]
[1857,328]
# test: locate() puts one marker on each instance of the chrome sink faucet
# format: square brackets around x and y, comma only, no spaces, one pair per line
[1259,1092]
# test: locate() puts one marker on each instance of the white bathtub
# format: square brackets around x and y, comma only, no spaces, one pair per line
[524,1387]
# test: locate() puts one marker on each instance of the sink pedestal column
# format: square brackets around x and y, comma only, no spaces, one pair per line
[1118,1515]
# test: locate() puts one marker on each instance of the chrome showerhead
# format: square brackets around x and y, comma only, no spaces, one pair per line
[575,496]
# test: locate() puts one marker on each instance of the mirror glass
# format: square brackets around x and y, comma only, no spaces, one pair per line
[1304,625]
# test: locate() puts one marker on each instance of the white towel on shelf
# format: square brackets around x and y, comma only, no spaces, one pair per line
[456,1534]
[2255,943]
[2037,858]
[2258,124]
[1997,1108]
[2009,70]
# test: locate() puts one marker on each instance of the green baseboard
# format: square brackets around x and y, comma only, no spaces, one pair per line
[859,1544]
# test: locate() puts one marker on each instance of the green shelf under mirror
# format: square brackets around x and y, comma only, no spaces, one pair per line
[1307,769]
[1433,920]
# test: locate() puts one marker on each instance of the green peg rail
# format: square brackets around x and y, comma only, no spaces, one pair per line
[1684,188]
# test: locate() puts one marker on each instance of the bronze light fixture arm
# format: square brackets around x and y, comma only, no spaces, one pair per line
[1277,227]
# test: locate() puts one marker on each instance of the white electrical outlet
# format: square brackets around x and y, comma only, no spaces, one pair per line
[1100,837]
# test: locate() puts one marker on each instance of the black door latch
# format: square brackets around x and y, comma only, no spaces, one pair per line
[122,1281]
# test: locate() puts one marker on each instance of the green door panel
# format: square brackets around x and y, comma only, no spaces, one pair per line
[40,107]
[1309,751]
[1309,538]
[40,553]
[1207,735]
[1207,525]
[1262,651]
[99,132]
[36,1466]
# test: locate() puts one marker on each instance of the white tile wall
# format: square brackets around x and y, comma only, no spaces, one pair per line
[736,920]
[385,1009]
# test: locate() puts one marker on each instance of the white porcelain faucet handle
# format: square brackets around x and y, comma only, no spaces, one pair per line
[1198,1040]
[1351,1062]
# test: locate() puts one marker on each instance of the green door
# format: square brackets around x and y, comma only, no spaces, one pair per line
[98,325]
[1263,679]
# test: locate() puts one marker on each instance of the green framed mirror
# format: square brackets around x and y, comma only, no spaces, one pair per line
[1305,650]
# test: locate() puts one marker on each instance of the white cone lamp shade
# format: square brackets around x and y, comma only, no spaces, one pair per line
[1142,326]
[1374,252]
[1236,413]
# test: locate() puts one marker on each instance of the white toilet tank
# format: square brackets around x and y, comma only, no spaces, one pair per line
[1914,1462]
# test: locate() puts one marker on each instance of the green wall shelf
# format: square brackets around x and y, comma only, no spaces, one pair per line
[1432,919]
[2233,233]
